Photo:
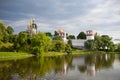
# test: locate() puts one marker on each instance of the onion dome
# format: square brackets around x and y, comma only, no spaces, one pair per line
[60,31]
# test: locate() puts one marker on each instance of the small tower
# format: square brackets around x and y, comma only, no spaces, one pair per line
[32,27]
[90,35]
[62,34]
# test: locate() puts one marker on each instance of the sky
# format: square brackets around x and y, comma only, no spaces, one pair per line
[73,16]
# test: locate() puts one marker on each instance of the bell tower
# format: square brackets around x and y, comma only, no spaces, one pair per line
[90,35]
[32,27]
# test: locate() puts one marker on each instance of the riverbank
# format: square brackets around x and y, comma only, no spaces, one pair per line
[22,55]
[74,52]
[13,55]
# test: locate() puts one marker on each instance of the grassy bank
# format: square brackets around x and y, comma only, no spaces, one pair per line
[22,55]
[13,55]
[74,52]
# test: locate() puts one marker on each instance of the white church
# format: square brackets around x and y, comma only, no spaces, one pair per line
[77,43]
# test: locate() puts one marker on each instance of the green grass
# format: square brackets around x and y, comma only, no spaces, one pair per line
[74,52]
[13,55]
[53,54]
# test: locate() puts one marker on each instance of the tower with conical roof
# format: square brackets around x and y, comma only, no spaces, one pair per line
[32,27]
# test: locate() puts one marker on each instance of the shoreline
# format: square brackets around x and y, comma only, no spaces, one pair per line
[22,55]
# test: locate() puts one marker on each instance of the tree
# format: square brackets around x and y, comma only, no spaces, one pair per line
[48,34]
[103,43]
[70,43]
[39,43]
[10,30]
[71,37]
[89,45]
[81,35]
[58,45]
[118,47]
[3,31]
[68,48]
[21,41]
[55,33]
[107,43]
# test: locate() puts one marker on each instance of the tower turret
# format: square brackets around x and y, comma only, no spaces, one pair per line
[32,27]
[90,35]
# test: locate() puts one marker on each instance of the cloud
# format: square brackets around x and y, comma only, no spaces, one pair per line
[73,16]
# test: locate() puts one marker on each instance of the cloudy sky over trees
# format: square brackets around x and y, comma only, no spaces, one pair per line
[73,16]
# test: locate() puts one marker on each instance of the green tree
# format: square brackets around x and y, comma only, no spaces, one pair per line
[71,37]
[98,42]
[21,41]
[103,43]
[107,42]
[68,48]
[58,45]
[3,31]
[10,30]
[81,35]
[70,43]
[8,35]
[55,33]
[48,34]
[39,43]
[58,38]
[89,45]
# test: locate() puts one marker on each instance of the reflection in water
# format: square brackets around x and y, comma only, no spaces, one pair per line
[91,70]
[55,68]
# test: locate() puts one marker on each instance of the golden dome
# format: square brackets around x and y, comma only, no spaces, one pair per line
[60,31]
[30,24]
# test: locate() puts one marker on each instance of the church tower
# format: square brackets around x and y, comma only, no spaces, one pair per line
[32,27]
[90,35]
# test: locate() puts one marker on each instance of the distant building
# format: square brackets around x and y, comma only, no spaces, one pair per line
[62,34]
[90,35]
[32,27]
[78,43]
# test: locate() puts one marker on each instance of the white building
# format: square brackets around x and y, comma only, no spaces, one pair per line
[62,34]
[32,27]
[90,35]
[78,43]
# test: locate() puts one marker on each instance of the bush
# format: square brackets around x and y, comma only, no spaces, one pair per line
[57,45]
[39,44]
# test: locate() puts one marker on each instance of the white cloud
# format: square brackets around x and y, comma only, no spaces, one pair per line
[73,15]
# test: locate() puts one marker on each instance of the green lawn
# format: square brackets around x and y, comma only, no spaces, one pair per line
[22,55]
[13,55]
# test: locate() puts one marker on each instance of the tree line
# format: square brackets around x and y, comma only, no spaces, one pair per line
[44,42]
[36,44]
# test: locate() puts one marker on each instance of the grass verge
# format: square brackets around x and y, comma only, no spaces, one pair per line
[13,55]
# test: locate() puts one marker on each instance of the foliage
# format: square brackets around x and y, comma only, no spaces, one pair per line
[48,34]
[81,35]
[71,37]
[57,45]
[3,31]
[55,33]
[58,38]
[118,47]
[10,30]
[39,43]
[21,42]
[103,43]
[70,43]
[68,49]
[89,45]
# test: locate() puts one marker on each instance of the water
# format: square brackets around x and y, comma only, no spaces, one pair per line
[84,67]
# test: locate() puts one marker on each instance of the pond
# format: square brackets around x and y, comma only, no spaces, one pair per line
[68,67]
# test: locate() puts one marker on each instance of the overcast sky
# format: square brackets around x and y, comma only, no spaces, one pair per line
[73,16]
